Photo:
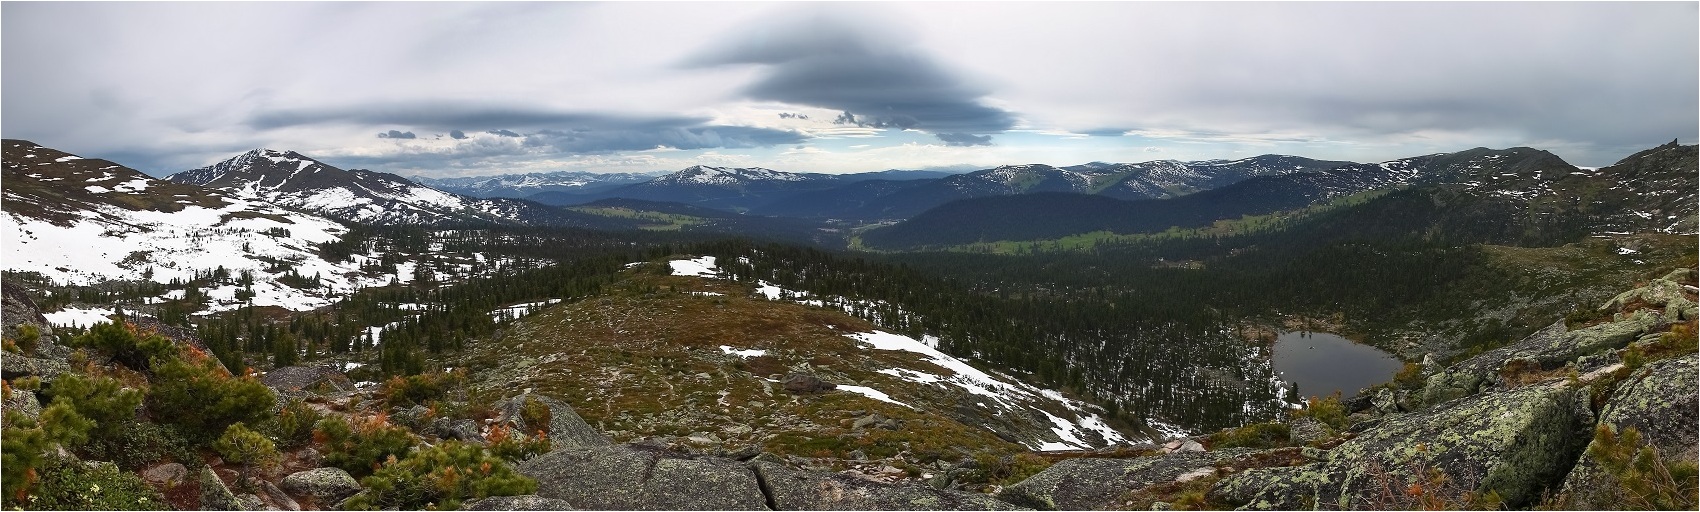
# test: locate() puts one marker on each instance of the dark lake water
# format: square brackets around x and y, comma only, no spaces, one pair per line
[1321,363]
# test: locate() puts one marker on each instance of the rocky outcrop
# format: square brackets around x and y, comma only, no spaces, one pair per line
[628,477]
[166,475]
[1515,443]
[18,309]
[1090,484]
[802,384]
[526,502]
[1659,402]
[41,356]
[566,429]
[1551,347]
[327,486]
[790,489]
[291,380]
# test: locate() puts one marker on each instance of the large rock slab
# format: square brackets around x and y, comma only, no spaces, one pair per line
[566,428]
[1551,347]
[1659,401]
[312,379]
[525,502]
[1517,443]
[627,477]
[215,495]
[792,489]
[1090,484]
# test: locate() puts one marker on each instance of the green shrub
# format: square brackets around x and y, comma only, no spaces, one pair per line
[994,469]
[1644,481]
[1259,436]
[199,395]
[103,400]
[361,447]
[125,345]
[536,416]
[513,446]
[1327,410]
[242,446]
[293,426]
[28,337]
[440,478]
[22,445]
[73,485]
[421,388]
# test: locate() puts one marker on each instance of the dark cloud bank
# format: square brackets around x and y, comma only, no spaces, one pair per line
[876,81]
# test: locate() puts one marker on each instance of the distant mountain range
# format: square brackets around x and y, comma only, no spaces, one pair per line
[524,185]
[1514,195]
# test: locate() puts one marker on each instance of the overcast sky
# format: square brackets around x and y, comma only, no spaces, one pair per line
[447,89]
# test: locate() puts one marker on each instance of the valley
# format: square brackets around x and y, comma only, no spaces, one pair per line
[965,334]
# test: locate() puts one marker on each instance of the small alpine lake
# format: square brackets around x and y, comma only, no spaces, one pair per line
[1321,363]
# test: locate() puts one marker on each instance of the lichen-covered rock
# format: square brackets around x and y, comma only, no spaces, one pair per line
[23,401]
[792,489]
[1516,443]
[802,383]
[1666,293]
[214,494]
[1551,347]
[326,485]
[14,366]
[461,429]
[627,477]
[1089,484]
[526,502]
[566,428]
[1659,401]
[18,309]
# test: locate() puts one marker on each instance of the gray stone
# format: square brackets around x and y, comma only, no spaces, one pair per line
[166,475]
[252,502]
[1658,401]
[274,497]
[566,428]
[214,494]
[461,429]
[526,502]
[1307,430]
[1092,484]
[792,489]
[14,366]
[1515,443]
[1663,293]
[326,485]
[308,379]
[867,421]
[802,383]
[633,478]
[25,402]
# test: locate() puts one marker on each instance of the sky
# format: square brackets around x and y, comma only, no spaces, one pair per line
[446,89]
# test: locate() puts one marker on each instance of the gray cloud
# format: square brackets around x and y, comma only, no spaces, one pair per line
[599,141]
[397,134]
[1105,132]
[504,133]
[876,81]
[964,139]
[792,115]
[457,134]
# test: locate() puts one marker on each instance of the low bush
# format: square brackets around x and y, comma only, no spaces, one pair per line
[440,478]
[196,393]
[421,388]
[103,400]
[1327,410]
[514,446]
[360,448]
[293,426]
[125,344]
[67,484]
[1644,480]
[243,446]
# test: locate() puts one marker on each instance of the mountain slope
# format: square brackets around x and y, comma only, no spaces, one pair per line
[295,180]
[82,221]
[1055,216]
[710,359]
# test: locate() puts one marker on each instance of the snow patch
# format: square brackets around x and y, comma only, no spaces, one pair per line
[80,317]
[700,267]
[872,393]
[747,353]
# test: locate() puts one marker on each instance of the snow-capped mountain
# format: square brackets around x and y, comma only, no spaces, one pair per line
[291,179]
[524,185]
[79,221]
